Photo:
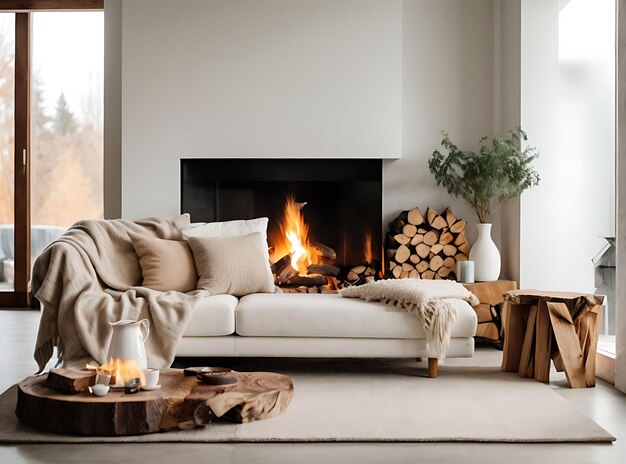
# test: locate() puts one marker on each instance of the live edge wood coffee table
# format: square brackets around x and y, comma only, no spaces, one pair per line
[544,326]
[182,402]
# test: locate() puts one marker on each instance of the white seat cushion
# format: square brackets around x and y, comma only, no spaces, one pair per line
[323,315]
[213,316]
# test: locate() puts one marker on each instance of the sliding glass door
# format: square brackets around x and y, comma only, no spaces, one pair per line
[51,143]
[14,174]
[66,123]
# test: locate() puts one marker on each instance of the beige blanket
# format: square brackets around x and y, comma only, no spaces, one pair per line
[90,276]
[425,299]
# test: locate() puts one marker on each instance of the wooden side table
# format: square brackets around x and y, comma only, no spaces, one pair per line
[540,327]
[491,297]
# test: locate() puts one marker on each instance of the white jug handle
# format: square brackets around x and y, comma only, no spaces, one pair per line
[145,323]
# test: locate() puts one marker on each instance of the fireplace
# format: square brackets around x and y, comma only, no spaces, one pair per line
[339,201]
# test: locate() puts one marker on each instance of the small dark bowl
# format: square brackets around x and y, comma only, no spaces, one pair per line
[216,376]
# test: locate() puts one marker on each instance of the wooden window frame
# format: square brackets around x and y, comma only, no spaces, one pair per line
[19,297]
[35,5]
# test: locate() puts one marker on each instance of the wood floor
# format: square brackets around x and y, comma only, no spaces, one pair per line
[604,404]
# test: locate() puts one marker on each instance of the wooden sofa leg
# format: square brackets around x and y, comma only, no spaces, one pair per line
[432,368]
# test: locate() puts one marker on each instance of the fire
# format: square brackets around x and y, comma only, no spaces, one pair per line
[295,238]
[367,248]
[121,371]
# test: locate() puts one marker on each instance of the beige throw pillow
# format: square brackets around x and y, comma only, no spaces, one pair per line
[165,264]
[232,265]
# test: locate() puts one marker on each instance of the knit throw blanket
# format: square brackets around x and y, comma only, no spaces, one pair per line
[424,298]
[90,276]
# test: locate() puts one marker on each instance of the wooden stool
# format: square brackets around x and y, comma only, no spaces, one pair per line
[544,326]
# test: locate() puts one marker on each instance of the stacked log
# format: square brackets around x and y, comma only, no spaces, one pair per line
[425,246]
[362,274]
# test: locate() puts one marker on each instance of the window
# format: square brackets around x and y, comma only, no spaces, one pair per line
[51,140]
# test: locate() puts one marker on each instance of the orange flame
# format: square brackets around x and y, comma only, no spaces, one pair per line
[295,238]
[121,371]
[367,248]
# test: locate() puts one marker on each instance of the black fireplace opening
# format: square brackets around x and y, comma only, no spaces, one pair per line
[343,198]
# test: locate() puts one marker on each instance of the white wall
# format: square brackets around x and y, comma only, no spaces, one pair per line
[447,84]
[507,114]
[567,110]
[248,78]
[274,78]
[620,360]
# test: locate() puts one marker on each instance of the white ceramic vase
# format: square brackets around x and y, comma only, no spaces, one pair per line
[485,255]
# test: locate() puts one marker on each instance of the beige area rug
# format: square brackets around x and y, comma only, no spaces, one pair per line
[381,403]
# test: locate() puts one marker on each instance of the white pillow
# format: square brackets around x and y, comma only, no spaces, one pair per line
[229,228]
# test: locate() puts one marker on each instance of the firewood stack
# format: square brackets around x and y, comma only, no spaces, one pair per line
[362,274]
[425,247]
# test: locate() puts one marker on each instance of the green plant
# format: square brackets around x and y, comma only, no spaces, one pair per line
[497,172]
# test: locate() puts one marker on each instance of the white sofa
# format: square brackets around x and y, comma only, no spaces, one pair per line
[314,325]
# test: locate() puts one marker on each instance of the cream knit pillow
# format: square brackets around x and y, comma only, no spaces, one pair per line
[232,265]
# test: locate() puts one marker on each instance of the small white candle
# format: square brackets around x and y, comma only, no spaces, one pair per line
[465,272]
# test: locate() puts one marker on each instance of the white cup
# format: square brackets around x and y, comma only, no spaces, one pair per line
[99,389]
[151,377]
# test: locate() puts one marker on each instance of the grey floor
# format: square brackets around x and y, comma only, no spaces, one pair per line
[604,404]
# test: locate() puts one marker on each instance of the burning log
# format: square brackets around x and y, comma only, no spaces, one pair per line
[282,270]
[323,250]
[429,253]
[286,274]
[307,281]
[323,269]
[281,263]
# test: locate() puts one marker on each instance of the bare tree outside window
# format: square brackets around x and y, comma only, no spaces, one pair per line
[66,133]
[7,82]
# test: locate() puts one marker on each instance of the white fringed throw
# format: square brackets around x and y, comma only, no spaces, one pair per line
[425,299]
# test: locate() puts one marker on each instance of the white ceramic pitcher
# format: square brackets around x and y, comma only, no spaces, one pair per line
[127,341]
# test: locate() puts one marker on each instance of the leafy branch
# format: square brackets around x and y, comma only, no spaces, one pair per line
[497,172]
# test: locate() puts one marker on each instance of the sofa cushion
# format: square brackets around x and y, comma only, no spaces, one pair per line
[323,315]
[232,265]
[166,265]
[228,228]
[213,316]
